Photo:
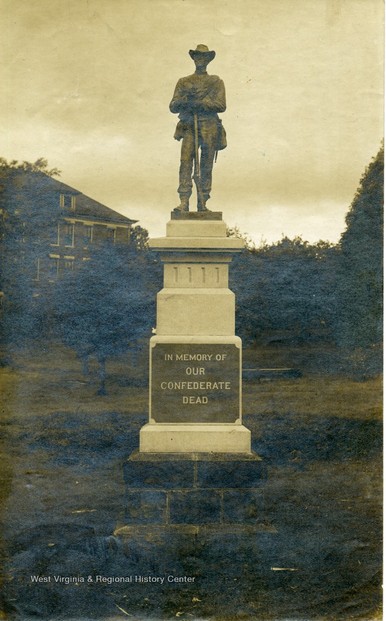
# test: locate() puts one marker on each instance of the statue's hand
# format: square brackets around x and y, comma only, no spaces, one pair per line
[193,101]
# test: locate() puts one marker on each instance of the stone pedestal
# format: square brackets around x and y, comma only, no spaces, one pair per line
[195,357]
[194,490]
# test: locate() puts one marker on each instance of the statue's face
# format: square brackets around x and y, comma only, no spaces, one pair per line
[201,62]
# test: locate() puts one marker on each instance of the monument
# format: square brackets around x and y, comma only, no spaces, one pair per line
[195,357]
[195,469]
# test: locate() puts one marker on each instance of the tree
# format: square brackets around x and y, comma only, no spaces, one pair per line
[285,291]
[21,315]
[361,265]
[39,167]
[236,232]
[139,238]
[106,307]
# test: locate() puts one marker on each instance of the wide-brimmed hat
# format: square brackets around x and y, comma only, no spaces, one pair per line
[202,50]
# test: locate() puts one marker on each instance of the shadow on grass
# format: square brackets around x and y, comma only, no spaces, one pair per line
[89,440]
[283,440]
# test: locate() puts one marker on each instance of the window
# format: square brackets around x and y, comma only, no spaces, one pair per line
[67,201]
[68,234]
[111,234]
[53,268]
[54,235]
[68,265]
[122,235]
[87,234]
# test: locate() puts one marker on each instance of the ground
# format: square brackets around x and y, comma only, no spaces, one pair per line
[316,555]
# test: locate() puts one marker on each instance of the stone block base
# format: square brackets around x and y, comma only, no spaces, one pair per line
[194,490]
[196,312]
[185,438]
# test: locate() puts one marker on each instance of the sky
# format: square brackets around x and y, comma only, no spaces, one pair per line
[86,84]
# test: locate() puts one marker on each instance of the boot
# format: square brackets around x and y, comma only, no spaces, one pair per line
[201,204]
[184,203]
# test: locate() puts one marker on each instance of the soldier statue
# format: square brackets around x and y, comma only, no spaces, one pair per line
[197,99]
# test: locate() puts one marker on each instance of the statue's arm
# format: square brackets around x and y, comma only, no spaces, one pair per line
[215,100]
[180,98]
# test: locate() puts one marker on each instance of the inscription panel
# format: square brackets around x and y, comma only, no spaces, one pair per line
[194,383]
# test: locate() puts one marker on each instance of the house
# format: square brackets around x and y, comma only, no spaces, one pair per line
[56,227]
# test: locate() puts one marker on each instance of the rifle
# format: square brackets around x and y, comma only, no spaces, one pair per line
[197,172]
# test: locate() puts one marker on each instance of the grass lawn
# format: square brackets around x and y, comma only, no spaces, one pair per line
[62,496]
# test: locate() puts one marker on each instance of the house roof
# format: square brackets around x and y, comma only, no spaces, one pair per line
[88,207]
[42,186]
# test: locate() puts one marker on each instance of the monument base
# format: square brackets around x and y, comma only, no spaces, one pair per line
[182,438]
[194,489]
[195,402]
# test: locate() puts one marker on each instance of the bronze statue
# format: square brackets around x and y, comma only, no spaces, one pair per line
[197,99]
